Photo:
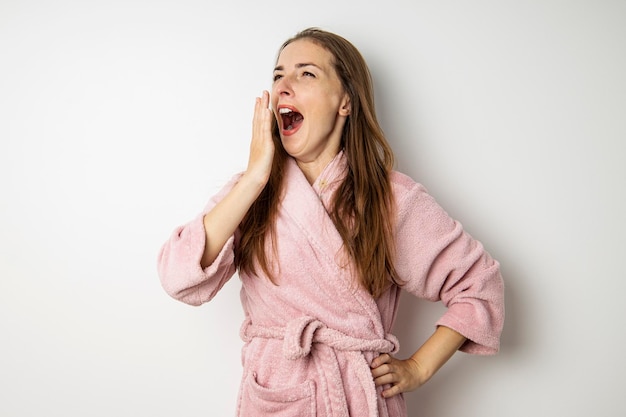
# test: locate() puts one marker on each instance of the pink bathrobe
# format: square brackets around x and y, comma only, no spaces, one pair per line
[309,340]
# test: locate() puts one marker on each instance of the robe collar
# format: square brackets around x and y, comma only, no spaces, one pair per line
[307,205]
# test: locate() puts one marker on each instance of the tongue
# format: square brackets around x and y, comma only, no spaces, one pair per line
[292,120]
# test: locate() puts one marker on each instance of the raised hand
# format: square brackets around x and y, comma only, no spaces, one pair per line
[261,145]
[222,221]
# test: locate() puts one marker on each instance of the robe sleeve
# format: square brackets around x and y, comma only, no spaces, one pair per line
[439,261]
[178,261]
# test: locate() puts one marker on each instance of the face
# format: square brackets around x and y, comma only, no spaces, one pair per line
[309,103]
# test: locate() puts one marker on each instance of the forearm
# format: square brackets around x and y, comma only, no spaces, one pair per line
[221,222]
[437,350]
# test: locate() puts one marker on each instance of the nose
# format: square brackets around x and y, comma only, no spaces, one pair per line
[283,86]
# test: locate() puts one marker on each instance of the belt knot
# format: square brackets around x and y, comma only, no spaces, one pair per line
[300,333]
[299,336]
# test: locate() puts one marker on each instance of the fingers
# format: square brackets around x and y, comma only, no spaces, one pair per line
[397,375]
[394,390]
[382,359]
[261,121]
[265,99]
[383,370]
[261,145]
[380,366]
[262,104]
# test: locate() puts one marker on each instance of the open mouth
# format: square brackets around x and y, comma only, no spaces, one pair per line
[291,119]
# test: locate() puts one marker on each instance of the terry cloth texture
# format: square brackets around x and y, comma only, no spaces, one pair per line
[310,339]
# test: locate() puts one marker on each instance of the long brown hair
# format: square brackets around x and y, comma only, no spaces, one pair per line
[362,207]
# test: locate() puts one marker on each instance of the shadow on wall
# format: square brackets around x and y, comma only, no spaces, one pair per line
[416,318]
[415,323]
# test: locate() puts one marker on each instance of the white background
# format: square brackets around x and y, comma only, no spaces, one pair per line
[119,119]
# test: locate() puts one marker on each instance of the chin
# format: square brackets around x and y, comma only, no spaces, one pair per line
[288,145]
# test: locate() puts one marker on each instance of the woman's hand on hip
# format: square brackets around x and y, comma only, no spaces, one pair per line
[402,375]
[409,374]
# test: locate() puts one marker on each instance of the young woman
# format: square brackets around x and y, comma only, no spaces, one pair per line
[324,235]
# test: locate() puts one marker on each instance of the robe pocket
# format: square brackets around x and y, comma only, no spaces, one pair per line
[257,400]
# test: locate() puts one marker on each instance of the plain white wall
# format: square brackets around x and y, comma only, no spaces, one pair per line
[118,120]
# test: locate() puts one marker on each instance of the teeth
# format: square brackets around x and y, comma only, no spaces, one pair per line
[284,110]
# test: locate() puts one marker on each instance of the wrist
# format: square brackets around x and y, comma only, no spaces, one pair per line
[253,182]
[421,370]
[436,351]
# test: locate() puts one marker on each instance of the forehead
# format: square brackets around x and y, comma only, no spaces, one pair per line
[305,51]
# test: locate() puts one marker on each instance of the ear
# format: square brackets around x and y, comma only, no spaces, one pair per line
[345,108]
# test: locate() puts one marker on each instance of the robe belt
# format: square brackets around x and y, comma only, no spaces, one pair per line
[299,335]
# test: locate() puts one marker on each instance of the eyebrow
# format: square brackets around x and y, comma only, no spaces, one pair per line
[302,65]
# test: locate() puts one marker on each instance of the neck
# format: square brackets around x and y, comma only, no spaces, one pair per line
[313,169]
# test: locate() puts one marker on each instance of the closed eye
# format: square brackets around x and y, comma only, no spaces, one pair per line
[278,76]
